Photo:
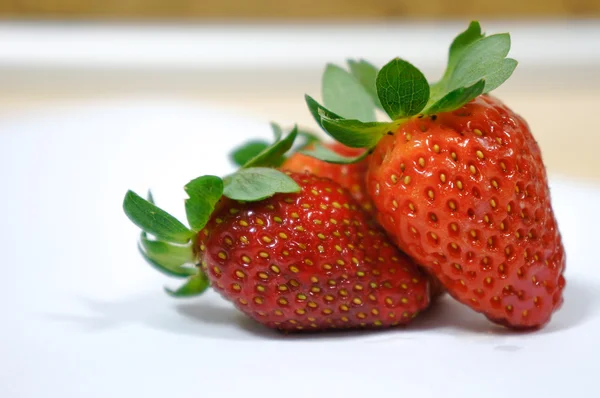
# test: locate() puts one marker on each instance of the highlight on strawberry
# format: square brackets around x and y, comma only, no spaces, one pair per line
[293,251]
[456,177]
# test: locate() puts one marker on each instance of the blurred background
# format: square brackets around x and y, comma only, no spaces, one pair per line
[257,58]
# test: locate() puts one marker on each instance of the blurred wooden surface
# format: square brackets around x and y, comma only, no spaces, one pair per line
[559,114]
[294,10]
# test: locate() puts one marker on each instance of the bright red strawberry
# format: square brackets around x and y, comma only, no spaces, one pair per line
[466,195]
[311,261]
[350,176]
[293,251]
[458,181]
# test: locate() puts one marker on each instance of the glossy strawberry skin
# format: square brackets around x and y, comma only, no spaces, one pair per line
[349,176]
[466,195]
[309,261]
[352,177]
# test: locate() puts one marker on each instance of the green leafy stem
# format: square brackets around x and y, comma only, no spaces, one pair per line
[170,250]
[477,64]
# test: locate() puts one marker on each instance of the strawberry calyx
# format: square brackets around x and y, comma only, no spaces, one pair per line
[477,64]
[242,154]
[167,244]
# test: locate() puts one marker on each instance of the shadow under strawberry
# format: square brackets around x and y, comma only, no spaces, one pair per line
[152,310]
[447,315]
[581,304]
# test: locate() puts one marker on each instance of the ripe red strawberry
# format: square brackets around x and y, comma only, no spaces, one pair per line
[350,176]
[294,252]
[467,195]
[309,260]
[458,181]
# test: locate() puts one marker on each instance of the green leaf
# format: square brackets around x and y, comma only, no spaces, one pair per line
[356,134]
[208,186]
[366,74]
[204,193]
[272,156]
[154,220]
[402,89]
[323,153]
[241,155]
[457,50]
[194,286]
[457,98]
[344,94]
[480,59]
[251,149]
[258,183]
[277,131]
[318,111]
[168,258]
[460,44]
[353,133]
[473,57]
[495,78]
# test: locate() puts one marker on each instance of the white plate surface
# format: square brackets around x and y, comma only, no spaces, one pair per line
[84,316]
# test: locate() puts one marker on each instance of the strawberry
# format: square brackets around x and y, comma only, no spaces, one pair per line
[349,176]
[471,201]
[309,260]
[458,182]
[293,251]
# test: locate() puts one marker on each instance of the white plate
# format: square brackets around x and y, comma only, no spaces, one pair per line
[84,316]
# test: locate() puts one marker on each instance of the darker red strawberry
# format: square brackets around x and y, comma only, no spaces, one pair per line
[309,261]
[458,181]
[293,251]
